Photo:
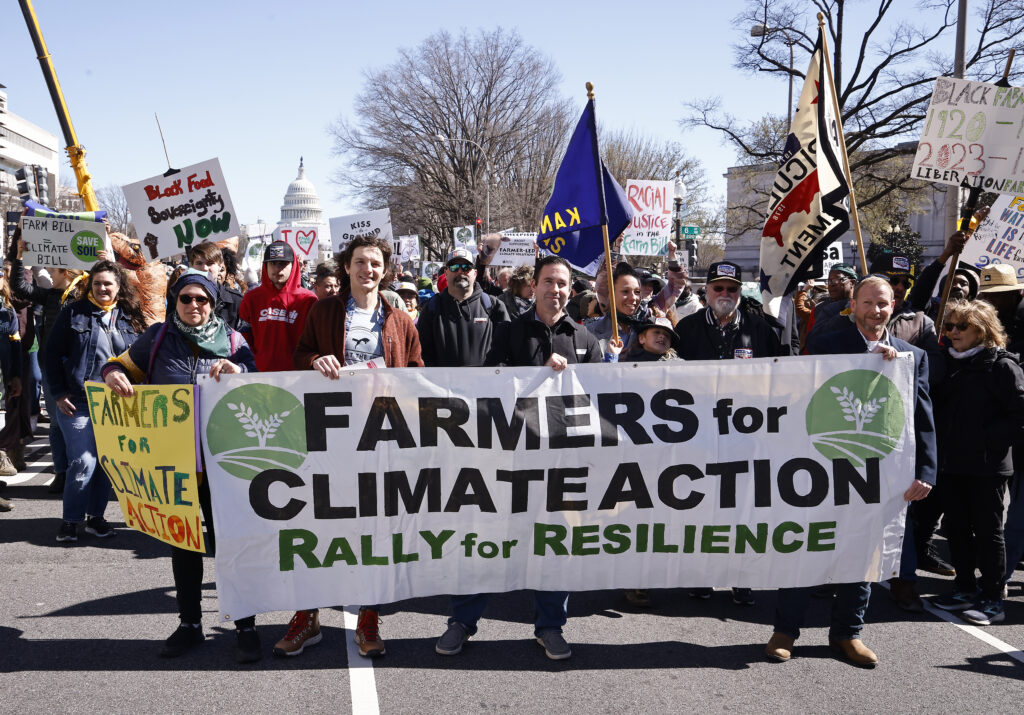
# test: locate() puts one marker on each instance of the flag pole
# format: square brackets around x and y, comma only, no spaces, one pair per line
[842,144]
[604,224]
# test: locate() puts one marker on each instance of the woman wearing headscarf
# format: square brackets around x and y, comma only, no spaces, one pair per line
[194,341]
[85,334]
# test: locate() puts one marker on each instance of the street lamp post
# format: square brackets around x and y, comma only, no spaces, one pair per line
[679,195]
[762,31]
[487,162]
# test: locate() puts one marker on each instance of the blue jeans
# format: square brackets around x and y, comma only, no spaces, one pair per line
[35,376]
[550,610]
[849,606]
[87,489]
[1013,531]
[58,449]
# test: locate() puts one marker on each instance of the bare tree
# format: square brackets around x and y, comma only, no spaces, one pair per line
[112,199]
[884,74]
[412,144]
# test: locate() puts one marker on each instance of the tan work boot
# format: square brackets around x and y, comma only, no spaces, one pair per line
[367,635]
[6,468]
[855,651]
[780,647]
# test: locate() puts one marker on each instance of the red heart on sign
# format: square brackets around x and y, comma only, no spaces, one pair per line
[305,239]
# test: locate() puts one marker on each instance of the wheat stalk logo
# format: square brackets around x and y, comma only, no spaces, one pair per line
[856,411]
[262,430]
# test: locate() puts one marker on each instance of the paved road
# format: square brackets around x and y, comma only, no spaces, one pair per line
[80,627]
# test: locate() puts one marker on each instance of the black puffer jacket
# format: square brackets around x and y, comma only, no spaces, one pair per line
[979,413]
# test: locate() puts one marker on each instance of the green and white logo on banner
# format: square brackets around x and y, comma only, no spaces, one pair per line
[856,415]
[255,428]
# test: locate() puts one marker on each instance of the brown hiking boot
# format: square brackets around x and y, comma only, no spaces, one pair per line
[903,593]
[367,635]
[303,630]
[780,647]
[855,651]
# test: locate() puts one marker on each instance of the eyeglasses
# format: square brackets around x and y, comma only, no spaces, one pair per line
[948,327]
[460,268]
[187,299]
[727,289]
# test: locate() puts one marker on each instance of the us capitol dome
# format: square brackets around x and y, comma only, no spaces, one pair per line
[301,202]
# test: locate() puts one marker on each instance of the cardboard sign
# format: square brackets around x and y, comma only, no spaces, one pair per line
[465,237]
[62,243]
[304,240]
[372,223]
[973,131]
[146,444]
[1000,238]
[650,230]
[516,249]
[189,206]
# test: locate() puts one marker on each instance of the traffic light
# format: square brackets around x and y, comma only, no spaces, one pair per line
[479,227]
[26,183]
[42,184]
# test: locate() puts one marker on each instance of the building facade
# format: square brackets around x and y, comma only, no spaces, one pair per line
[22,143]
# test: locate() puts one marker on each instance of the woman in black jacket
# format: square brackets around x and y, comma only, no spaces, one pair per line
[979,414]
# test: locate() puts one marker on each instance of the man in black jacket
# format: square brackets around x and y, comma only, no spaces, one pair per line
[457,326]
[872,306]
[725,330]
[543,336]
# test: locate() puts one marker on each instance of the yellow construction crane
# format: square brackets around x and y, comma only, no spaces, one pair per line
[76,152]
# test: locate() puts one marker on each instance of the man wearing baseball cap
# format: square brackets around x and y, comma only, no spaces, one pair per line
[726,331]
[276,309]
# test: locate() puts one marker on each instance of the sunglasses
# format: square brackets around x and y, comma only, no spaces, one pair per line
[187,299]
[900,280]
[726,289]
[948,327]
[460,268]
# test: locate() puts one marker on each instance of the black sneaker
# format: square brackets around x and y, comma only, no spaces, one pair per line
[701,594]
[98,526]
[247,649]
[187,637]
[743,596]
[67,531]
[931,562]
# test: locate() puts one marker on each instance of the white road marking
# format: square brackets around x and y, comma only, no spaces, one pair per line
[360,670]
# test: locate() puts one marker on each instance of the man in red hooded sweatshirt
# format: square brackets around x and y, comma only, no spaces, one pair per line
[276,309]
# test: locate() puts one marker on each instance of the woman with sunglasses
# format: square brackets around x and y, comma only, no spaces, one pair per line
[85,334]
[195,341]
[979,414]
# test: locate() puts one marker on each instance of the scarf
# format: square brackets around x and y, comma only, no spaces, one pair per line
[970,352]
[106,308]
[211,336]
[71,286]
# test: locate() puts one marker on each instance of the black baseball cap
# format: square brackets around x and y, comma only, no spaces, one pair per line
[725,270]
[279,251]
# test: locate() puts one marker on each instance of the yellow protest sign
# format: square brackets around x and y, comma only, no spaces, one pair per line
[147,445]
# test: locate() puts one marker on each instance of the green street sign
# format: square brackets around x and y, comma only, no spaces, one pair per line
[690,230]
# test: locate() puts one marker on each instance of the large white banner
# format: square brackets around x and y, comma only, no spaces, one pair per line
[650,230]
[189,206]
[372,223]
[395,483]
[972,131]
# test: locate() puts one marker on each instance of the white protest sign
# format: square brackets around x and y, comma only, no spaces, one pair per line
[61,242]
[258,237]
[650,230]
[465,237]
[833,255]
[430,268]
[973,131]
[999,238]
[516,249]
[409,248]
[365,489]
[371,223]
[304,240]
[189,206]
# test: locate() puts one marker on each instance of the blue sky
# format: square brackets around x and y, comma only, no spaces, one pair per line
[259,86]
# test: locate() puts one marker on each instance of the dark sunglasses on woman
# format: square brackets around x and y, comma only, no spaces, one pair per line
[199,299]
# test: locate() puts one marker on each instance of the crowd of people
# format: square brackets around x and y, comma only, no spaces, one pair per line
[64,327]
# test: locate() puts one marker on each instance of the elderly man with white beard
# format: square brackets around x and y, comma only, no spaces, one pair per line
[725,331]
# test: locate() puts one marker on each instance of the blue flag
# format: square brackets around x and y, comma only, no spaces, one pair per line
[571,226]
